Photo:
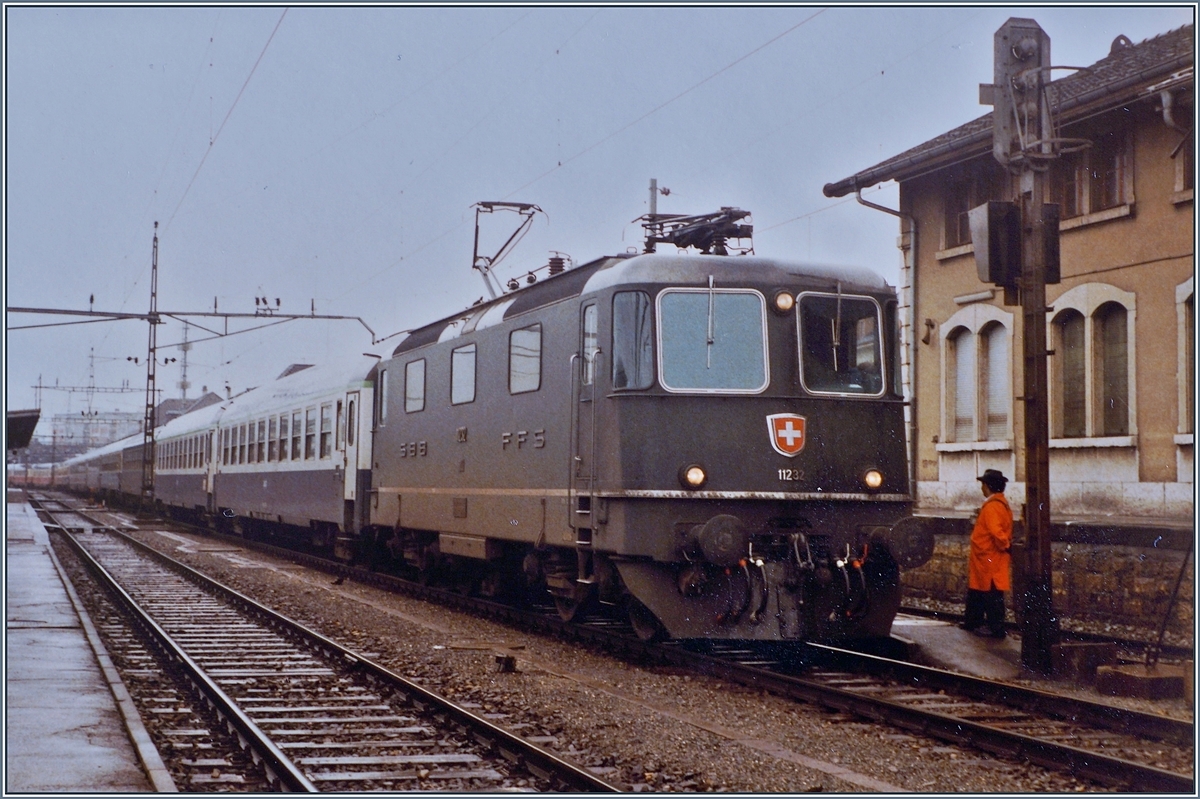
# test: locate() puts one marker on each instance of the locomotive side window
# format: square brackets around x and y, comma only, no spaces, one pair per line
[225,446]
[351,423]
[242,444]
[310,433]
[296,432]
[262,440]
[840,344]
[633,342]
[414,386]
[462,375]
[326,430]
[383,381]
[712,340]
[591,343]
[252,444]
[273,440]
[525,360]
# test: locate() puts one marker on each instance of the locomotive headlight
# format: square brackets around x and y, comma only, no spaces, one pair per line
[873,478]
[693,476]
[784,302]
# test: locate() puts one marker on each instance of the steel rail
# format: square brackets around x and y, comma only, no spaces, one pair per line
[564,775]
[1058,757]
[281,771]
[1032,700]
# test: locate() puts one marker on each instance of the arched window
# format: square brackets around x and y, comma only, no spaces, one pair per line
[977,388]
[1092,368]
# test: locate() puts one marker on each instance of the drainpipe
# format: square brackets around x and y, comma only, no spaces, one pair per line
[1167,97]
[908,297]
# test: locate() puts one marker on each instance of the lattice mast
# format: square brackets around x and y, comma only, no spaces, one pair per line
[151,365]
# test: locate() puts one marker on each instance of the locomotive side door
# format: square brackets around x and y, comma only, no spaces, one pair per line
[586,364]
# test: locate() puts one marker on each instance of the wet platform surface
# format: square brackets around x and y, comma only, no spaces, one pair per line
[64,730]
[945,646]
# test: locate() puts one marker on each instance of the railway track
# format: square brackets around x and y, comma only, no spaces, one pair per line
[314,716]
[1134,647]
[1115,748]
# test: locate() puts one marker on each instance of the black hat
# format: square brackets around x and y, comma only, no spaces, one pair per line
[994,479]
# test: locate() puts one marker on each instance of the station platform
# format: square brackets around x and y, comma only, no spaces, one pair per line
[945,646]
[65,705]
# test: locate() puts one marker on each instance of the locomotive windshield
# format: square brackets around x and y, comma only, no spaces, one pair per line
[840,345]
[712,340]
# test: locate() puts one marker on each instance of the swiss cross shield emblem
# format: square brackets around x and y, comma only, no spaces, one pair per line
[786,431]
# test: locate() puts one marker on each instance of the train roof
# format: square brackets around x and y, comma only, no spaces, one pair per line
[134,440]
[299,387]
[679,269]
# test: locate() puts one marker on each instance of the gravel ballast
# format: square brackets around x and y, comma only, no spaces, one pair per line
[642,728]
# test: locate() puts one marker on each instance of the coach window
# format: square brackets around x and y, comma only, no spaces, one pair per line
[712,340]
[414,386]
[262,440]
[340,428]
[326,430]
[224,446]
[252,444]
[525,360]
[310,433]
[462,375]
[242,439]
[351,422]
[283,436]
[273,439]
[296,433]
[633,341]
[839,344]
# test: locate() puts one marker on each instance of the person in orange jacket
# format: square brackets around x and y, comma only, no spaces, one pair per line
[989,562]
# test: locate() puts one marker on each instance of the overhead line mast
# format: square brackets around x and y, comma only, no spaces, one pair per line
[151,365]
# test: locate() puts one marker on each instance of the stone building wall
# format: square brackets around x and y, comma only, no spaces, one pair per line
[1113,584]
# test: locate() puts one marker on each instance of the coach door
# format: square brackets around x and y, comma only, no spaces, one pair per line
[349,423]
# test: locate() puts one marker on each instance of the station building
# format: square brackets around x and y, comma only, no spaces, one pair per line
[1120,328]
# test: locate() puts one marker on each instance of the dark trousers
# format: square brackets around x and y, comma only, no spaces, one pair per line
[984,606]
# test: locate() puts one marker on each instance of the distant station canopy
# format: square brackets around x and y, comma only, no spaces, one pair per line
[20,427]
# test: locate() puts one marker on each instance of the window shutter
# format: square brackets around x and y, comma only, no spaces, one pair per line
[1074,394]
[964,387]
[1114,372]
[996,389]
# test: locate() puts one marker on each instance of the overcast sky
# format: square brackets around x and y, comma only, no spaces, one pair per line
[329,157]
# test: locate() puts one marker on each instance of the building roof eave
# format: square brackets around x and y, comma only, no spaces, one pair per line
[974,138]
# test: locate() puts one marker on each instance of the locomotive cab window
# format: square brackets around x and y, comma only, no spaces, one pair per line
[840,350]
[591,343]
[462,375]
[633,342]
[414,386]
[525,360]
[712,341]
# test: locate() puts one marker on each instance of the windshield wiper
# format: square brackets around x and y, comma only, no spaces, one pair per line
[709,343]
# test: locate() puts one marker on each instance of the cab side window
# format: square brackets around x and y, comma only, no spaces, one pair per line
[525,360]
